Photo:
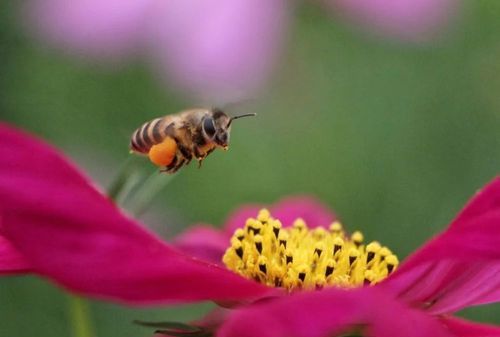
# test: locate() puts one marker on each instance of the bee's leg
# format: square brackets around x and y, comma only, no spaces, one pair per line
[186,153]
[197,153]
[202,158]
[181,163]
[188,158]
[171,170]
[199,157]
[182,157]
[171,166]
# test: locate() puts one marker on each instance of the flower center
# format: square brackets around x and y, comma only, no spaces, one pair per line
[299,257]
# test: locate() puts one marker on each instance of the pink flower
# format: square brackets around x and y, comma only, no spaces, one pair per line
[217,50]
[457,269]
[413,20]
[53,222]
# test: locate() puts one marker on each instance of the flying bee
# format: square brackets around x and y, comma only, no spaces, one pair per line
[174,140]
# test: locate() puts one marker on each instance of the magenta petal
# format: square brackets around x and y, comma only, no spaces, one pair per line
[460,267]
[311,210]
[238,218]
[91,27]
[487,200]
[413,20]
[329,313]
[11,261]
[69,232]
[218,49]
[202,241]
[287,211]
[462,328]
[210,244]
[448,285]
[214,319]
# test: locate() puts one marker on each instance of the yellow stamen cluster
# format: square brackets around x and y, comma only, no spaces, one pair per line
[298,257]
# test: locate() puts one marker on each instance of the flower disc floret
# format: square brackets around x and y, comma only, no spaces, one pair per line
[299,257]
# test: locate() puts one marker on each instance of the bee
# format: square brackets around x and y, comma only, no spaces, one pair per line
[174,140]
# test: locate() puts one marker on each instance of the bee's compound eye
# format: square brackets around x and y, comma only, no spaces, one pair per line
[209,127]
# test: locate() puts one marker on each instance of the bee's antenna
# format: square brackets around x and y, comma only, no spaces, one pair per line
[240,116]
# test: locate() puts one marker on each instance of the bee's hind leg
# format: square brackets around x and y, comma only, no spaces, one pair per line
[172,167]
[181,163]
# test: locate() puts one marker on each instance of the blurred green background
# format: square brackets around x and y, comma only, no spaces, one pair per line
[394,137]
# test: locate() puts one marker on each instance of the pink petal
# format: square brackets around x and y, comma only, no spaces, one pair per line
[91,27]
[69,232]
[329,313]
[462,328]
[213,319]
[460,267]
[210,243]
[238,218]
[414,20]
[485,201]
[204,242]
[287,211]
[11,261]
[219,50]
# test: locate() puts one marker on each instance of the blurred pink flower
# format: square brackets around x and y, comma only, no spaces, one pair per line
[220,51]
[92,27]
[212,49]
[53,222]
[413,20]
[218,48]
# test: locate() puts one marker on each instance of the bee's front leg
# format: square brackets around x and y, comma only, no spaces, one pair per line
[202,157]
[199,157]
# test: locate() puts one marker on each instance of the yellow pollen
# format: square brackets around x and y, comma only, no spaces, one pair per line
[336,227]
[298,257]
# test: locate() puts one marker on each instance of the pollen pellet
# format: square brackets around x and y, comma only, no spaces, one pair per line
[162,154]
[300,258]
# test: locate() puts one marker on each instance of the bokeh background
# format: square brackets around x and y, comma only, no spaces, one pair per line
[393,135]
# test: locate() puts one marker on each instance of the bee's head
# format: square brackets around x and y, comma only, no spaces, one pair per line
[217,126]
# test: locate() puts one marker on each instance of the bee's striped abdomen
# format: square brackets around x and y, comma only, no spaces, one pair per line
[149,134]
